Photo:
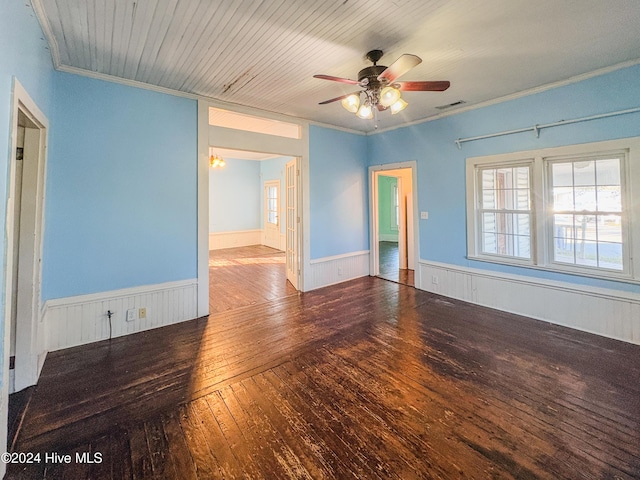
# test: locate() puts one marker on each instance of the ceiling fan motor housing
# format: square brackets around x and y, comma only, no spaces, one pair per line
[371,74]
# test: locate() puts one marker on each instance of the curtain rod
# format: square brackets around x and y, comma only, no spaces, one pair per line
[537,128]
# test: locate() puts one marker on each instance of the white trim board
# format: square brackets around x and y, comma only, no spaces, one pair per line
[241,238]
[337,269]
[83,319]
[606,312]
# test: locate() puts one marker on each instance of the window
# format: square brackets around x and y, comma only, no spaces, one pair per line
[505,211]
[565,209]
[586,200]
[272,205]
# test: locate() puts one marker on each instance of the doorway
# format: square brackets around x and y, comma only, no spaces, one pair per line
[394,226]
[25,353]
[251,247]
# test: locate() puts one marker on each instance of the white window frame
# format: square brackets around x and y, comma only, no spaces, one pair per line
[542,219]
[478,212]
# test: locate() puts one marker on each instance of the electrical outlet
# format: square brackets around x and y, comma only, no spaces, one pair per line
[434,279]
[339,270]
[424,215]
[131,314]
[142,312]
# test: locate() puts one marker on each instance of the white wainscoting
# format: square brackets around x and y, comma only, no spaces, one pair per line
[242,238]
[83,319]
[606,312]
[340,268]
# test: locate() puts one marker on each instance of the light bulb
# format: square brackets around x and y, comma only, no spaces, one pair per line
[365,111]
[389,95]
[398,106]
[351,103]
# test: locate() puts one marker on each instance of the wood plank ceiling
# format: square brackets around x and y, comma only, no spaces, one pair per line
[264,53]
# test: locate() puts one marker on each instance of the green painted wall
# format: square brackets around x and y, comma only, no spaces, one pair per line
[388,229]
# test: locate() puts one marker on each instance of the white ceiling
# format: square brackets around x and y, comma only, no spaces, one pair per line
[264,53]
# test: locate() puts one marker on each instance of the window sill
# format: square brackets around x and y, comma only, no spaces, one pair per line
[622,277]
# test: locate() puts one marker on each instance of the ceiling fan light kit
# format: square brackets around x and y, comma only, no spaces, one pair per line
[381,91]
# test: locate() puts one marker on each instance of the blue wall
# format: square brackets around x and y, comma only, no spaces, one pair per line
[25,55]
[338,193]
[121,188]
[234,196]
[441,165]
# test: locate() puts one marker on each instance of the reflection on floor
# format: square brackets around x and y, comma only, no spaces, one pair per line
[390,265]
[366,379]
[246,276]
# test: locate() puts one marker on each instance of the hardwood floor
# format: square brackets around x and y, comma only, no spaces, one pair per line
[390,265]
[258,269]
[366,379]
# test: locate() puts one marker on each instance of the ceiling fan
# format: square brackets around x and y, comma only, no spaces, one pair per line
[381,90]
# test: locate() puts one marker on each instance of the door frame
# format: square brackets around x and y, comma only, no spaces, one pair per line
[295,278]
[211,135]
[374,227]
[29,351]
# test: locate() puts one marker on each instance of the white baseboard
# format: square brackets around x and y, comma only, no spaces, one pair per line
[242,238]
[387,237]
[73,321]
[337,269]
[610,313]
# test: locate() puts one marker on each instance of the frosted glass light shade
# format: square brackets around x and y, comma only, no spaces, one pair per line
[389,95]
[398,106]
[351,103]
[365,111]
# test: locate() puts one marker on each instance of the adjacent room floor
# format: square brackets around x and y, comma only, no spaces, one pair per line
[366,379]
[389,264]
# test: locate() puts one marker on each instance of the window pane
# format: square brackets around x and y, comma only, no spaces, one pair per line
[521,199]
[489,243]
[523,246]
[610,255]
[585,199]
[489,222]
[584,173]
[488,179]
[608,172]
[522,224]
[562,174]
[522,177]
[563,199]
[610,228]
[489,199]
[609,199]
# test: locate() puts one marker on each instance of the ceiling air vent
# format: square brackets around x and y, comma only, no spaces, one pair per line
[454,104]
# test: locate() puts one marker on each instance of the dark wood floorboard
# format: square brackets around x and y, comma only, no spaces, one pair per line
[389,265]
[366,379]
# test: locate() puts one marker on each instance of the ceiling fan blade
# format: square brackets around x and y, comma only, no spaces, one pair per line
[401,66]
[337,79]
[423,86]
[338,98]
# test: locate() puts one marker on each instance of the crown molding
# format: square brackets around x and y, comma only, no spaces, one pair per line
[514,96]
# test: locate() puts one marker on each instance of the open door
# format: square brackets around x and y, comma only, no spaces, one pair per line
[292,249]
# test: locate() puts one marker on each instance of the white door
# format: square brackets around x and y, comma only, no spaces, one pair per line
[272,214]
[292,250]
